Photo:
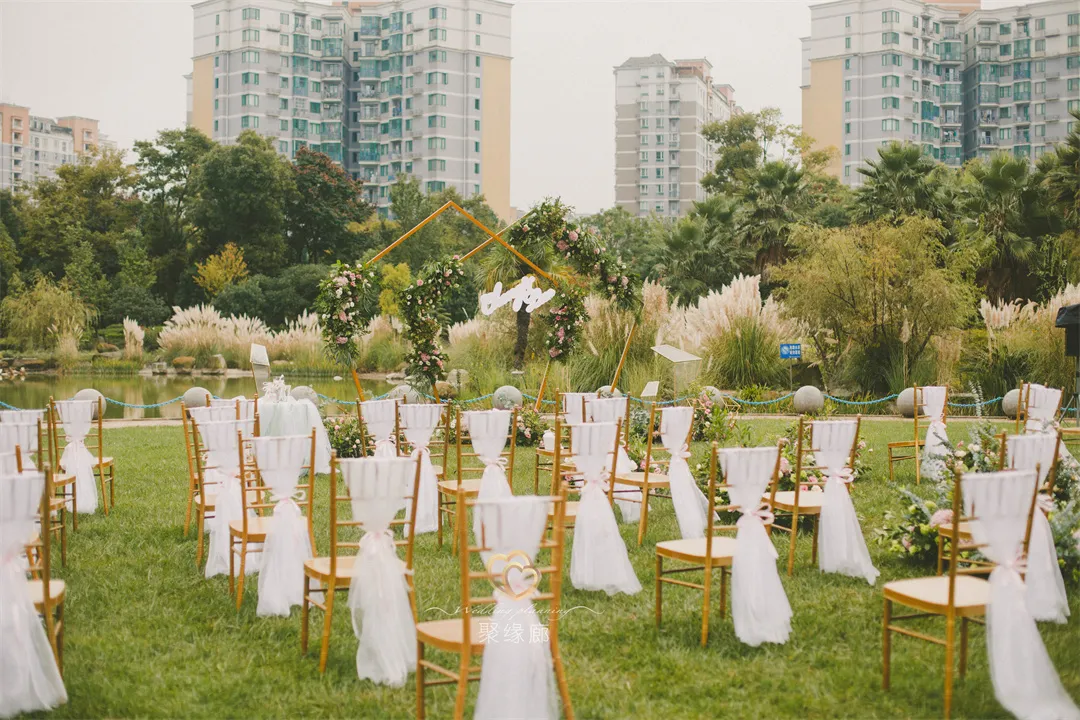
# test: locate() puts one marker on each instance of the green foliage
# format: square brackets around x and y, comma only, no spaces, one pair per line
[34,315]
[395,278]
[747,355]
[344,434]
[898,183]
[324,201]
[531,427]
[702,252]
[420,309]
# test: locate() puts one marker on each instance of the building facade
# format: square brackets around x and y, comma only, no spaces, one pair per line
[416,87]
[958,81]
[660,153]
[33,147]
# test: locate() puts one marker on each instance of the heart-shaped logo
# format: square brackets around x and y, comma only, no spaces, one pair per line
[513,574]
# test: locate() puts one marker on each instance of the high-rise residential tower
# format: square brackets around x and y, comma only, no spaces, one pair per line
[660,153]
[33,147]
[958,81]
[416,87]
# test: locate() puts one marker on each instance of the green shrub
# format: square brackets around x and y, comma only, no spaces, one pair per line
[749,354]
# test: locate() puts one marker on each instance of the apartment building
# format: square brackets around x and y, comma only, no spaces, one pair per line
[416,87]
[32,147]
[660,153]
[958,81]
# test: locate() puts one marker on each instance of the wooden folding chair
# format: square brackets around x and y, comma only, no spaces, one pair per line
[367,440]
[958,595]
[794,503]
[333,573]
[104,465]
[912,449]
[544,456]
[714,551]
[252,528]
[63,482]
[27,441]
[468,471]
[648,480]
[47,592]
[448,635]
[560,484]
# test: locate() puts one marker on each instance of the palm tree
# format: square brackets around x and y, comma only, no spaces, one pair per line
[701,252]
[897,183]
[772,201]
[1062,174]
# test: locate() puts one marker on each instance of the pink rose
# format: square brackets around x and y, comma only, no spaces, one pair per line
[342,340]
[419,282]
[573,235]
[941,517]
[785,466]
[457,257]
[906,543]
[446,274]
[625,281]
[553,352]
[596,251]
[424,357]
[341,316]
[562,246]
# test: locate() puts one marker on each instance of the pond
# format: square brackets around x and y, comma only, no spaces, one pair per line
[35,391]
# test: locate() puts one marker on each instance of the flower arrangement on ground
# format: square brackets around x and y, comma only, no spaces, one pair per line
[345,436]
[530,427]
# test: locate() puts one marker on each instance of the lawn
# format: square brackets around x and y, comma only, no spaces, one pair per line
[147,635]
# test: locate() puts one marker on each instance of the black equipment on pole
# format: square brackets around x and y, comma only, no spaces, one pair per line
[1068,317]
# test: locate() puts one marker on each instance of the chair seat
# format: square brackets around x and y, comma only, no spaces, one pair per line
[809,502]
[656,480]
[104,462]
[37,592]
[471,487]
[438,470]
[257,528]
[61,479]
[319,568]
[450,634]
[905,444]
[571,512]
[931,594]
[693,549]
[211,498]
[945,530]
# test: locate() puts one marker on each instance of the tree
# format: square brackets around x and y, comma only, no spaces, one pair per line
[32,315]
[166,166]
[221,270]
[131,293]
[773,199]
[241,199]
[84,276]
[875,296]
[395,278]
[898,183]
[325,201]
[1062,177]
[638,241]
[701,252]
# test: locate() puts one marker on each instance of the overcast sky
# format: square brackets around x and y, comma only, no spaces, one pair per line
[123,61]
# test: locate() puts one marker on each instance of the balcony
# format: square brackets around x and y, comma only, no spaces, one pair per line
[988,119]
[367,156]
[394,133]
[1022,97]
[1053,118]
[950,120]
[416,132]
[416,90]
[300,112]
[416,111]
[987,141]
[332,136]
[273,91]
[298,133]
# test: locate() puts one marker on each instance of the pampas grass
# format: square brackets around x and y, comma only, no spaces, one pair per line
[133,340]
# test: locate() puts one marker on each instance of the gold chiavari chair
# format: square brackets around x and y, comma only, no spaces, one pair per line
[192,462]
[648,480]
[367,440]
[1030,394]
[797,502]
[449,635]
[956,596]
[333,573]
[468,471]
[904,450]
[258,506]
[544,456]
[104,465]
[63,482]
[26,441]
[559,483]
[47,592]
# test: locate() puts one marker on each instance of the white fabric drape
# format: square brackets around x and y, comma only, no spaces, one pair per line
[213,414]
[29,677]
[627,497]
[378,594]
[22,416]
[690,503]
[488,430]
[759,607]
[379,417]
[572,407]
[842,548]
[1024,678]
[1043,403]
[599,560]
[280,461]
[935,448]
[419,422]
[296,417]
[77,416]
[241,407]
[220,439]
[1046,598]
[516,678]
[25,435]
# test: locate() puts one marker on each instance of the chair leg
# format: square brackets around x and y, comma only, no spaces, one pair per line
[940,553]
[705,608]
[886,645]
[232,567]
[243,569]
[560,678]
[950,650]
[187,517]
[420,709]
[101,483]
[643,521]
[892,478]
[305,607]
[112,484]
[74,507]
[440,519]
[659,588]
[918,466]
[536,477]
[462,687]
[723,591]
[963,646]
[60,638]
[794,537]
[324,652]
[201,524]
[813,547]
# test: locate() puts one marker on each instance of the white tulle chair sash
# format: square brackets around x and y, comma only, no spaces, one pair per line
[1046,596]
[571,406]
[379,417]
[221,440]
[690,504]
[29,677]
[937,438]
[219,413]
[378,594]
[842,548]
[759,606]
[419,423]
[25,435]
[77,416]
[21,416]
[627,497]
[1042,403]
[280,461]
[488,430]
[517,678]
[1025,681]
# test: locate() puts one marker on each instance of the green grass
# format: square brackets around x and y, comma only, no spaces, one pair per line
[147,635]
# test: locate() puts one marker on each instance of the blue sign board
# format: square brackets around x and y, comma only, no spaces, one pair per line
[790,351]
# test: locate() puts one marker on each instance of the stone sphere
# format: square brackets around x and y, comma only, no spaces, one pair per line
[407,392]
[808,399]
[446,390]
[506,398]
[905,402]
[1010,404]
[196,397]
[606,392]
[303,392]
[713,393]
[90,394]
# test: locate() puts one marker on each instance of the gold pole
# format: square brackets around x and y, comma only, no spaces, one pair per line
[622,360]
[502,242]
[412,232]
[543,385]
[356,381]
[490,240]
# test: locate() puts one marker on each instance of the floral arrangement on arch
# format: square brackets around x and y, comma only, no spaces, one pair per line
[567,318]
[342,306]
[420,305]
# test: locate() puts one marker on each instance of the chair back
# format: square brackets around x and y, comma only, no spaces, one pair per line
[658,454]
[216,447]
[1032,451]
[610,410]
[833,445]
[379,426]
[999,507]
[595,456]
[242,407]
[470,450]
[420,423]
[22,416]
[748,473]
[1037,407]
[572,406]
[269,472]
[190,443]
[24,501]
[76,419]
[217,411]
[26,436]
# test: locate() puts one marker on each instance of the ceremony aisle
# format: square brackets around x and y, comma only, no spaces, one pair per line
[148,635]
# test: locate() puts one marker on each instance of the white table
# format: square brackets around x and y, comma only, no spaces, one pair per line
[296,417]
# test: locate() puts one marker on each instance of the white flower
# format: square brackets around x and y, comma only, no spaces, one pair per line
[959,453]
[974,447]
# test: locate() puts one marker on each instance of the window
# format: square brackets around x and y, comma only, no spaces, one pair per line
[217,82]
[1040,23]
[888,81]
[890,38]
[249,14]
[437,13]
[436,143]
[847,149]
[476,146]
[847,86]
[847,63]
[477,41]
[847,106]
[847,21]
[479,19]
[1072,62]
[476,104]
[249,100]
[249,78]
[890,124]
[217,19]
[215,125]
[1004,133]
[1074,106]
[436,99]
[284,82]
[659,139]
[283,146]
[283,125]
[217,61]
[1004,50]
[249,121]
[847,43]
[436,56]
[847,171]
[888,16]
[659,156]
[476,125]
[1004,29]
[659,173]
[644,173]
[644,123]
[249,35]
[436,164]
[316,108]
[644,156]
[284,41]
[1040,45]
[847,128]
[1074,19]
[284,18]
[1074,41]
[476,168]
[1040,131]
[477,83]
[215,107]
[1074,85]
[436,34]
[1040,109]
[249,56]
[436,121]
[644,139]
[477,61]
[217,41]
